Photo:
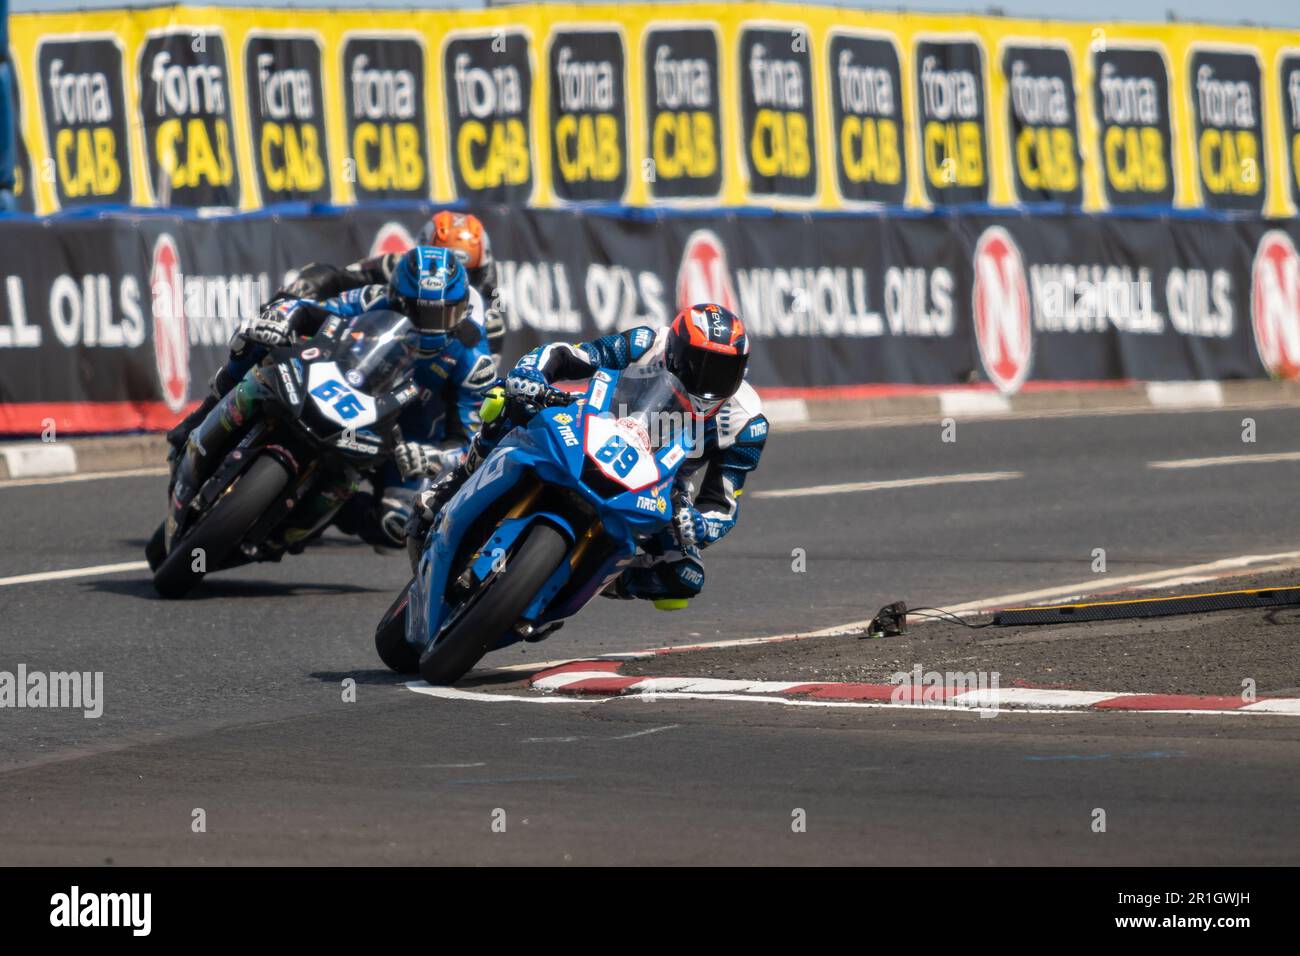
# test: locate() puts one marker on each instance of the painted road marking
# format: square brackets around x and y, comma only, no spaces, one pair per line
[1263,459]
[922,482]
[84,476]
[645,733]
[451,693]
[987,700]
[68,573]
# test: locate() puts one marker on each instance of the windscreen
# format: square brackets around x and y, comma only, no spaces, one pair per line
[656,400]
[378,351]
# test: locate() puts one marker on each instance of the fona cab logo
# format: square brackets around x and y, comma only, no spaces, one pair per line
[1000,301]
[1275,304]
[171,341]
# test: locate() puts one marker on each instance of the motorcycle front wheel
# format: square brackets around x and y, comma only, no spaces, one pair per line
[222,528]
[495,607]
[390,636]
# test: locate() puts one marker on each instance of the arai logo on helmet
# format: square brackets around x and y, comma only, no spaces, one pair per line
[433,282]
[1000,301]
[703,275]
[392,237]
[171,339]
[1275,304]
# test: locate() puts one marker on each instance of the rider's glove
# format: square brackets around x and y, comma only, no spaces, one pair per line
[421,516]
[272,326]
[526,384]
[417,460]
[494,324]
[689,526]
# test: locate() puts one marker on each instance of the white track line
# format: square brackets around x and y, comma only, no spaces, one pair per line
[1264,459]
[90,572]
[453,693]
[923,482]
[1069,702]
[84,476]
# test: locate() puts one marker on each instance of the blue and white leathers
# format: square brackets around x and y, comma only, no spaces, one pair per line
[595,470]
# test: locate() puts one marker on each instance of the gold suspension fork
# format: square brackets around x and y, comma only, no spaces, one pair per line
[584,542]
[524,503]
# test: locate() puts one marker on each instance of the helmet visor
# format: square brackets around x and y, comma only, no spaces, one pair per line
[711,375]
[438,317]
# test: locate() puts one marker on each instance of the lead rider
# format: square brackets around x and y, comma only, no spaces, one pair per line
[706,347]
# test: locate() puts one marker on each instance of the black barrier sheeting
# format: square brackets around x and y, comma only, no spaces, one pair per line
[138,309]
[1151,607]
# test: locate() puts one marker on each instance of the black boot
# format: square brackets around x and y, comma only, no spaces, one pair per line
[177,436]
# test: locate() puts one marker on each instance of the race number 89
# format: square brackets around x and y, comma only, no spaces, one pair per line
[620,455]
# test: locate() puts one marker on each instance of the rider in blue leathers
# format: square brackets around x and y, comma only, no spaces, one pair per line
[706,347]
[454,367]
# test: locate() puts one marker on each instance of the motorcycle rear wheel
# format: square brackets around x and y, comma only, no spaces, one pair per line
[496,606]
[222,528]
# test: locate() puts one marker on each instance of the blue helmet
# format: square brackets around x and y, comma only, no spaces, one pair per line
[432,289]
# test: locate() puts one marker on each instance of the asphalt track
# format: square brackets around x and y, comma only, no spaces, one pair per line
[233,701]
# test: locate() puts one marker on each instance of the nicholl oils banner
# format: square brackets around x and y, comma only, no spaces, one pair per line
[789,106]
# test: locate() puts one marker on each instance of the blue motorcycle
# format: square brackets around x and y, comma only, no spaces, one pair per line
[549,518]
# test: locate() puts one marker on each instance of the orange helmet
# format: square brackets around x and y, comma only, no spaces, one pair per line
[460,232]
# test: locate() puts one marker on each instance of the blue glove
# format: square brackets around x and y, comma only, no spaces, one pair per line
[526,384]
[689,526]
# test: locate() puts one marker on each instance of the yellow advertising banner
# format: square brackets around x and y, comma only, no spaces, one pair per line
[802,107]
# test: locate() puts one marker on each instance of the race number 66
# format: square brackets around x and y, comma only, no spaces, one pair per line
[348,405]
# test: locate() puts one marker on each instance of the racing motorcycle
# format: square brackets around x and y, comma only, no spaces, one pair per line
[271,464]
[552,515]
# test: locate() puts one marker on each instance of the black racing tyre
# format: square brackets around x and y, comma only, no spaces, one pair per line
[496,606]
[221,529]
[155,552]
[390,636]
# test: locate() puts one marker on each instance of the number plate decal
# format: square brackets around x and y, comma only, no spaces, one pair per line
[617,451]
[338,401]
